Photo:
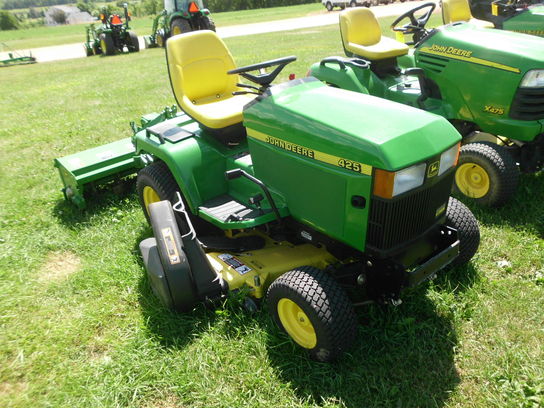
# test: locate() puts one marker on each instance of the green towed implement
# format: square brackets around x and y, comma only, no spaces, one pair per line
[14,58]
[295,194]
[488,83]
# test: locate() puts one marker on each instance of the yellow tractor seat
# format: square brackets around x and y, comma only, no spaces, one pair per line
[454,11]
[362,36]
[197,64]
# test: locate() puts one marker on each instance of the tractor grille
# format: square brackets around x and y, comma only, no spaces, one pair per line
[528,104]
[398,221]
[432,63]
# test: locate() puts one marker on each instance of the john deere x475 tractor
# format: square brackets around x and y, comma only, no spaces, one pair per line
[178,16]
[523,16]
[112,36]
[488,83]
[298,193]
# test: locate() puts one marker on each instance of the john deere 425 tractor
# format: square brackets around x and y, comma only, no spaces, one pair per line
[178,16]
[523,16]
[299,194]
[488,83]
[112,36]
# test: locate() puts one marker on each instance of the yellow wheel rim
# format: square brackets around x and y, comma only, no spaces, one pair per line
[150,196]
[296,323]
[160,41]
[176,30]
[472,180]
[103,46]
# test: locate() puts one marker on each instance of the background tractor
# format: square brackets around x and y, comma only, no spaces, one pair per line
[178,16]
[523,16]
[488,83]
[294,194]
[112,36]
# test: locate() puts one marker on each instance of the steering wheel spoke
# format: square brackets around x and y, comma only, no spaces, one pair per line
[263,79]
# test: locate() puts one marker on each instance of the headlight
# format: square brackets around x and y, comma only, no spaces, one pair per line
[448,159]
[533,79]
[389,184]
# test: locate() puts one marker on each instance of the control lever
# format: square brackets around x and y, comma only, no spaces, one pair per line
[245,93]
[420,74]
[247,86]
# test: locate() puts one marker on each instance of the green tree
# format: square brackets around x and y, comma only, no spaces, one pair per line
[8,21]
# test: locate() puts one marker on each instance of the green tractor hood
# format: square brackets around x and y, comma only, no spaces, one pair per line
[342,126]
[529,21]
[498,49]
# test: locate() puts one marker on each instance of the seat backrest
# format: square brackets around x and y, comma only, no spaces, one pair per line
[198,63]
[455,10]
[359,26]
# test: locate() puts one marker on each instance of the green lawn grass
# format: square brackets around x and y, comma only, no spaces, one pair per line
[79,326]
[66,34]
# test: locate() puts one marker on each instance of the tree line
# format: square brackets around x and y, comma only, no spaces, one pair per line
[213,5]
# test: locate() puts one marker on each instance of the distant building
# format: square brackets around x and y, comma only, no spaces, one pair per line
[73,15]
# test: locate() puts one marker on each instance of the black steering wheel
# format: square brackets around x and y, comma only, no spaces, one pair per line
[263,79]
[416,26]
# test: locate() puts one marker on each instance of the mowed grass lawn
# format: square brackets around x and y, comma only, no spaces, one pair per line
[66,34]
[80,327]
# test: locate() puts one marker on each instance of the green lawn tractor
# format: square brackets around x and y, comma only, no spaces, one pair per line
[513,15]
[112,36]
[488,83]
[297,194]
[15,58]
[178,16]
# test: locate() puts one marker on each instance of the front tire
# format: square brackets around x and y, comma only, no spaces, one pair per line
[353,3]
[328,6]
[208,24]
[314,310]
[458,216]
[180,26]
[106,44]
[160,38]
[487,173]
[155,183]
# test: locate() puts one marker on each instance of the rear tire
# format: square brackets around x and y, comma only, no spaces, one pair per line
[314,310]
[180,26]
[155,183]
[458,216]
[106,44]
[134,43]
[486,173]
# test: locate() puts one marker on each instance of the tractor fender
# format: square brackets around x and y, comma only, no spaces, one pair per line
[192,163]
[337,75]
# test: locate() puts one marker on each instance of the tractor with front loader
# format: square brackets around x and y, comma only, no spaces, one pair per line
[112,36]
[488,83]
[297,194]
[522,16]
[178,17]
